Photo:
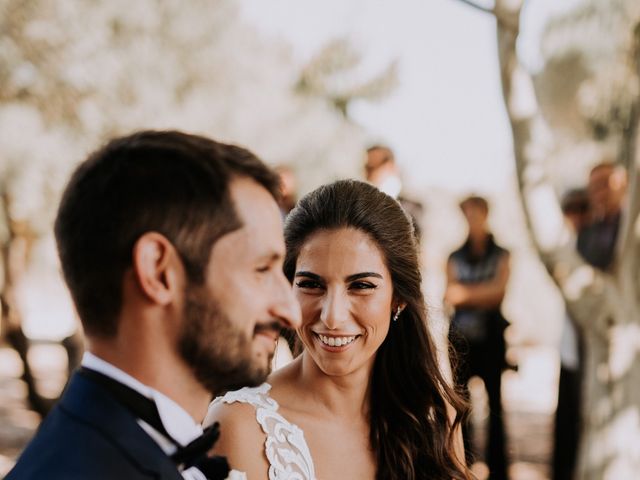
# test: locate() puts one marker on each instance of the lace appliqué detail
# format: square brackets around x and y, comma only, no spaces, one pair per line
[285,446]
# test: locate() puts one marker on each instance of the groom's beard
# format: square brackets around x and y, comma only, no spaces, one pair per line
[219,353]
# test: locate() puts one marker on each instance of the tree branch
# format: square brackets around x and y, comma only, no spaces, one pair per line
[543,217]
[628,236]
[478,7]
[509,22]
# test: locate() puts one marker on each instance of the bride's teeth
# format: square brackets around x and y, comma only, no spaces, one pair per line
[336,341]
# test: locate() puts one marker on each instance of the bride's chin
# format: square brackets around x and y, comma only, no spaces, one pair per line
[329,364]
[333,370]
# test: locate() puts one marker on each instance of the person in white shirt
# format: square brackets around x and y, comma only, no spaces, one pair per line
[171,245]
[568,416]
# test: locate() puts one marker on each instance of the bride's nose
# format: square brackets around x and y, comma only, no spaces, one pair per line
[335,310]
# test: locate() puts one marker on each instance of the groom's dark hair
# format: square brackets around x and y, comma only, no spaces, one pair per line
[168,182]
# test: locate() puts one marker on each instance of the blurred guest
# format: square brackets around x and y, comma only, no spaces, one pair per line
[477,275]
[596,243]
[288,189]
[606,190]
[568,420]
[382,171]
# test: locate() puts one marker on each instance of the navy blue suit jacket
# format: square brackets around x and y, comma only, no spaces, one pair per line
[89,435]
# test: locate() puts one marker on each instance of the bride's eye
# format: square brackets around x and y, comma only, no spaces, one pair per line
[362,286]
[308,284]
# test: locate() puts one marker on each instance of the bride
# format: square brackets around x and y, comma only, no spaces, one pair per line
[366,398]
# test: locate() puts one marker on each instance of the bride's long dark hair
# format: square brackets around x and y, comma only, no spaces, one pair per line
[411,431]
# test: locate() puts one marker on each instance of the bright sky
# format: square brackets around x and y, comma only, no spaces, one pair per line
[445,120]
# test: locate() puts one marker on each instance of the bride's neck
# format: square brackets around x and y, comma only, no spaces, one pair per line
[345,396]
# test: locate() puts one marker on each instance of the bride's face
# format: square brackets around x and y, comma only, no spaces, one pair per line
[345,292]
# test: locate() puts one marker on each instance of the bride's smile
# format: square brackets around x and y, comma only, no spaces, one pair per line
[335,343]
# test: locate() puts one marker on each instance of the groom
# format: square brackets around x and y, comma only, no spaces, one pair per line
[171,245]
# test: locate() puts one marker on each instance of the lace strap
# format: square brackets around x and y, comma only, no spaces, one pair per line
[256,396]
[285,447]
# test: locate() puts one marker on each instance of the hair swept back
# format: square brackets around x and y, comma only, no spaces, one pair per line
[411,433]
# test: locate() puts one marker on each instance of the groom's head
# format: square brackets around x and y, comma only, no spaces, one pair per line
[178,238]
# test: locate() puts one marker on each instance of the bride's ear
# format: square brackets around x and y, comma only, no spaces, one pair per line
[399,305]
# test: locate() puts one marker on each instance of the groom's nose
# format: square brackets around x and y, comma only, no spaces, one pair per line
[285,307]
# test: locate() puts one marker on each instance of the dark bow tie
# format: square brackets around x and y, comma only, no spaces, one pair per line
[192,455]
[195,455]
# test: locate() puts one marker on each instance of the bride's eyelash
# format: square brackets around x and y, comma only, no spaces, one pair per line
[312,284]
[363,285]
[308,284]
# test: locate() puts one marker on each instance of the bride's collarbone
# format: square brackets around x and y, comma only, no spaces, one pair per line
[339,452]
[328,421]
[339,447]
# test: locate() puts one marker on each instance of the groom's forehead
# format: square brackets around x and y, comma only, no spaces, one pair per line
[261,232]
[256,208]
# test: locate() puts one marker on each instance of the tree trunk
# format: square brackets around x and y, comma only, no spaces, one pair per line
[604,305]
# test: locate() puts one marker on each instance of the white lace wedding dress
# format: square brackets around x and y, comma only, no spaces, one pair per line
[285,447]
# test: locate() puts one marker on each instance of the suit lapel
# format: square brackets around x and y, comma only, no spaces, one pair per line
[90,403]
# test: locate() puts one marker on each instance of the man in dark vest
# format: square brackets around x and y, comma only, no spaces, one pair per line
[477,275]
[171,245]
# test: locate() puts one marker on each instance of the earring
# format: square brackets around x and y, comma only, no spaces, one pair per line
[395,317]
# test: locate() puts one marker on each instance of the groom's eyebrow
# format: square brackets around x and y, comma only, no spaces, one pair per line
[271,256]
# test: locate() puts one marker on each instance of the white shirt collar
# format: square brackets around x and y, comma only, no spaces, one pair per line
[175,419]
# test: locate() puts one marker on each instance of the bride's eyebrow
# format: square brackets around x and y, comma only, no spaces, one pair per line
[358,276]
[310,275]
[349,278]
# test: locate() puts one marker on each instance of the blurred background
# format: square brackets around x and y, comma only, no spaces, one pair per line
[309,86]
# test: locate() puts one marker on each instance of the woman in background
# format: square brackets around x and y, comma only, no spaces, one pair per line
[366,398]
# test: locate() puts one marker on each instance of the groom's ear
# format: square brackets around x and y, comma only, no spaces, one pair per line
[157,267]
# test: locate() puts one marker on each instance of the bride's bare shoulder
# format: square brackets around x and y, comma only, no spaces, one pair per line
[285,381]
[241,438]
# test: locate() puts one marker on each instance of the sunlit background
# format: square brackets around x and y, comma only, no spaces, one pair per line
[309,85]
